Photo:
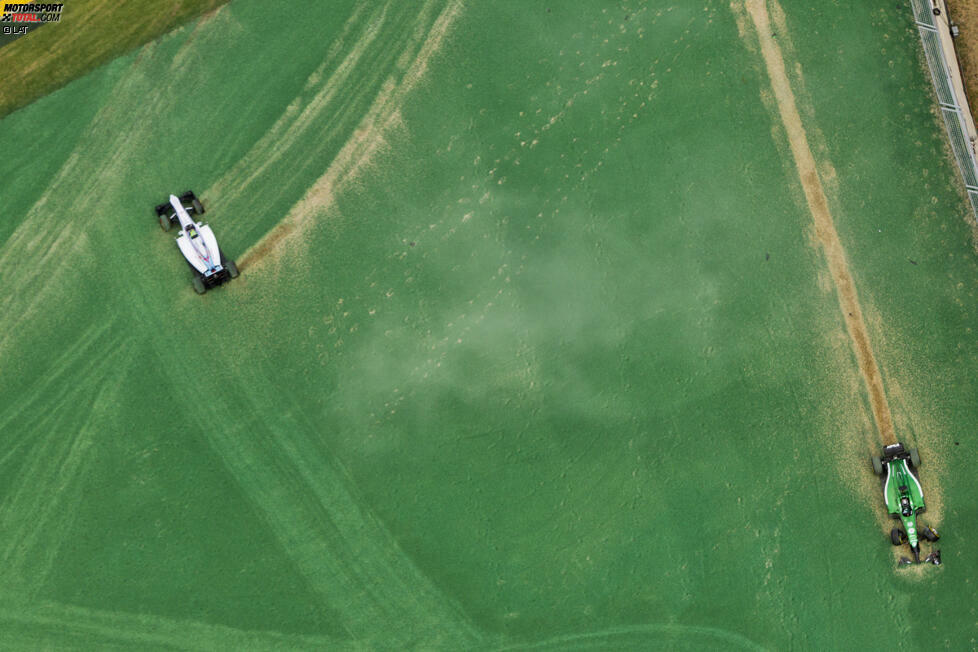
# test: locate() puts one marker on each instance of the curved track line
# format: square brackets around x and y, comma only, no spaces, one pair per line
[360,148]
[296,122]
[36,515]
[825,231]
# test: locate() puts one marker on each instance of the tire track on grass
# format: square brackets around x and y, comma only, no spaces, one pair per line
[341,549]
[321,117]
[308,502]
[49,387]
[43,264]
[367,139]
[827,236]
[42,623]
[344,552]
[825,231]
[50,250]
[38,511]
[295,122]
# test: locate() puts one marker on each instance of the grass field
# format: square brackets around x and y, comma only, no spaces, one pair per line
[90,33]
[556,329]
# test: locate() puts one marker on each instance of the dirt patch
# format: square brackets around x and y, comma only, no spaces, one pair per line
[818,204]
[267,244]
[965,14]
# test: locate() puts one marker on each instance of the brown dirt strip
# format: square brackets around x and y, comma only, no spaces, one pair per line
[266,245]
[818,204]
[965,14]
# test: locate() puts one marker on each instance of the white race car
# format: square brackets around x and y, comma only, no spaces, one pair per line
[196,242]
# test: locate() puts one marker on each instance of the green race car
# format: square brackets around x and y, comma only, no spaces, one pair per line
[904,499]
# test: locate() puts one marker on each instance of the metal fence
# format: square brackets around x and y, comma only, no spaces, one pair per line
[950,95]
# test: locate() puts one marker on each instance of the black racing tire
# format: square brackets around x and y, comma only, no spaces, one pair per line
[164,222]
[914,457]
[897,537]
[929,533]
[199,285]
[232,269]
[198,207]
[877,465]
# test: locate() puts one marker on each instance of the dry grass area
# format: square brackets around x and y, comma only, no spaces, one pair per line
[91,32]
[965,14]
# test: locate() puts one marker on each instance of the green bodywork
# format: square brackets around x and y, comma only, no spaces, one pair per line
[904,496]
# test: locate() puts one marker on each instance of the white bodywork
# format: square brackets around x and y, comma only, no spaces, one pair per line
[196,241]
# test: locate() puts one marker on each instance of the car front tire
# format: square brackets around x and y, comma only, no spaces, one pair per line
[897,537]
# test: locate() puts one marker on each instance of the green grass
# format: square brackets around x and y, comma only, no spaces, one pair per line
[547,358]
[89,34]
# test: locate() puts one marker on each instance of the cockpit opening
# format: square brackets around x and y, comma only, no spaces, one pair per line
[905,508]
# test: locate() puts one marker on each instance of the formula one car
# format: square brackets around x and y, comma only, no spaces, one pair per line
[904,499]
[196,242]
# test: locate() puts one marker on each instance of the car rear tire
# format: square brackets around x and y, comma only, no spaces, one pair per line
[198,207]
[929,533]
[877,465]
[164,222]
[199,285]
[232,268]
[897,537]
[914,457]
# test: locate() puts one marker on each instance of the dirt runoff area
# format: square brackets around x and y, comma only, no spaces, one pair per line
[965,14]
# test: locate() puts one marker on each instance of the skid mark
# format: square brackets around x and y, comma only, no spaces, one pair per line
[30,625]
[50,252]
[31,395]
[280,464]
[642,636]
[367,139]
[825,231]
[34,261]
[295,123]
[37,513]
[309,503]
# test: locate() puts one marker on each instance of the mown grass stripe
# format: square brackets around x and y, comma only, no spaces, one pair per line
[46,623]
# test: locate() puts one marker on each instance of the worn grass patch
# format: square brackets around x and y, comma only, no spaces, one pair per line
[90,33]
